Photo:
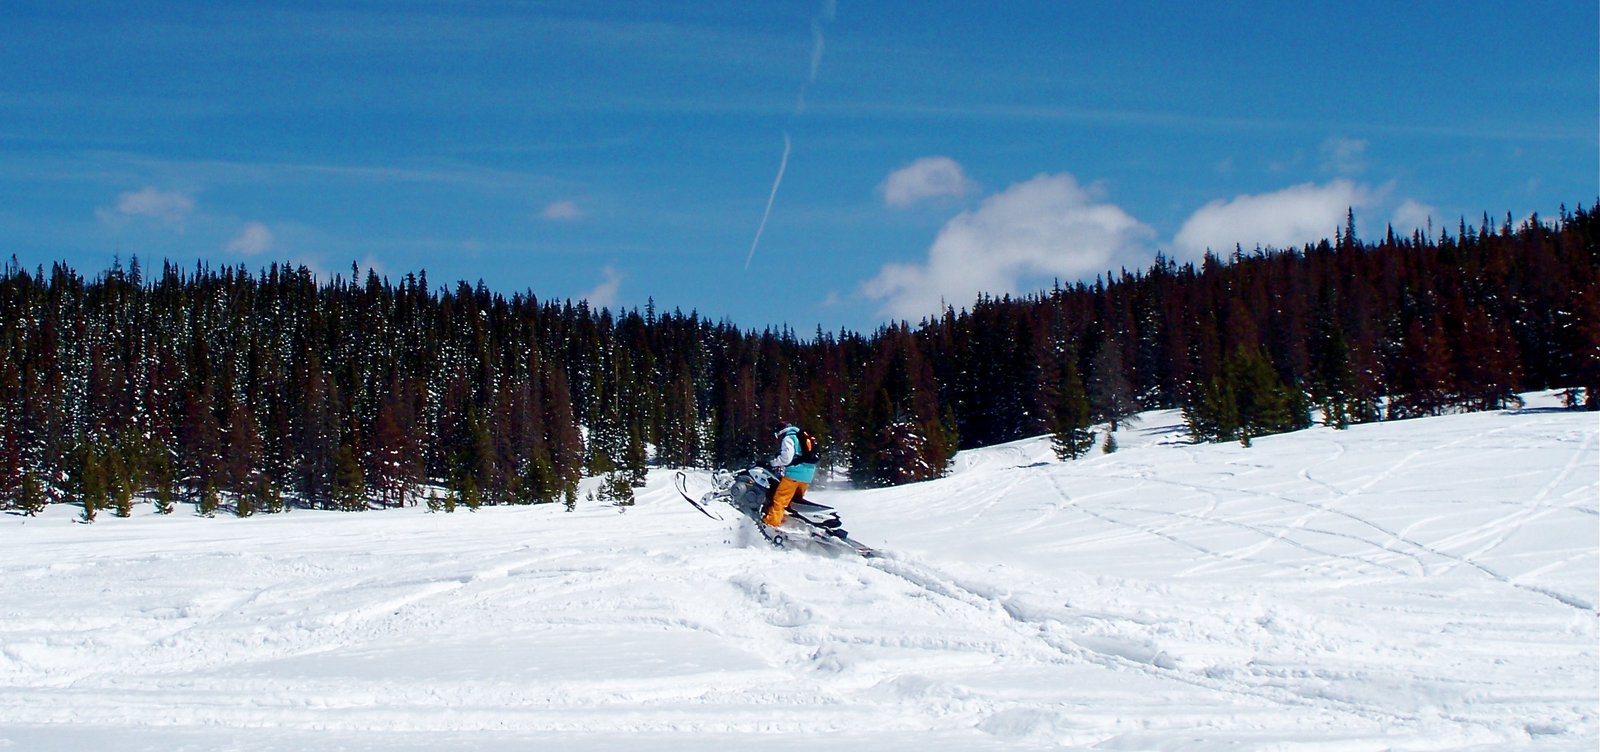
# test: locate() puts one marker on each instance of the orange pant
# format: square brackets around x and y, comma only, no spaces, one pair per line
[788,488]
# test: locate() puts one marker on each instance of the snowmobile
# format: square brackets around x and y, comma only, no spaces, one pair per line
[748,491]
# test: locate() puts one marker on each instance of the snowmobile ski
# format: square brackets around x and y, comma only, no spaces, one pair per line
[681,482]
[834,536]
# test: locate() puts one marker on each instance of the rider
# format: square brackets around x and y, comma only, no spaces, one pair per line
[796,475]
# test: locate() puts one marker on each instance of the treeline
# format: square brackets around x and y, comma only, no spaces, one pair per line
[256,391]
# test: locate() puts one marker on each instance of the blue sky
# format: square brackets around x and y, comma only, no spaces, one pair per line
[627,150]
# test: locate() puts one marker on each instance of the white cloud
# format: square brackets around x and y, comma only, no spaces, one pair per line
[1284,219]
[604,295]
[149,202]
[1412,215]
[1046,227]
[562,210]
[926,178]
[253,239]
[1344,156]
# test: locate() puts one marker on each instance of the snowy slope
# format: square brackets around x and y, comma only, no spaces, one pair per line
[1427,584]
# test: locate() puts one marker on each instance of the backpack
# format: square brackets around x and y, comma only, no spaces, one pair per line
[810,449]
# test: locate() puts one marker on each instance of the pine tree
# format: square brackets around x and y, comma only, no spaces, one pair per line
[1425,383]
[201,442]
[268,497]
[244,450]
[31,498]
[634,459]
[1212,412]
[210,500]
[89,510]
[316,431]
[563,439]
[476,458]
[467,493]
[1585,374]
[1265,404]
[119,488]
[1110,392]
[900,455]
[11,470]
[1487,368]
[437,504]
[680,443]
[350,487]
[905,436]
[1073,435]
[1337,380]
[392,468]
[162,481]
[600,462]
[618,487]
[541,484]
[244,504]
[93,486]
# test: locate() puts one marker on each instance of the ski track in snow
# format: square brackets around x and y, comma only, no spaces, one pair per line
[1423,584]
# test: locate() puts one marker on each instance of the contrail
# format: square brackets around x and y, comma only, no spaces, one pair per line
[829,9]
[783,163]
[817,44]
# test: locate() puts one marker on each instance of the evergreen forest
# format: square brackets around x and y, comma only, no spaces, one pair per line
[254,392]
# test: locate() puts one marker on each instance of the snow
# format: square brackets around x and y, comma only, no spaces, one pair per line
[1423,584]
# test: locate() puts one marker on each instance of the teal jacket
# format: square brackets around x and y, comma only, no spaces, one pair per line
[788,449]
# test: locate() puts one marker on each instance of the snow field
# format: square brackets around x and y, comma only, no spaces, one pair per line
[1426,584]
